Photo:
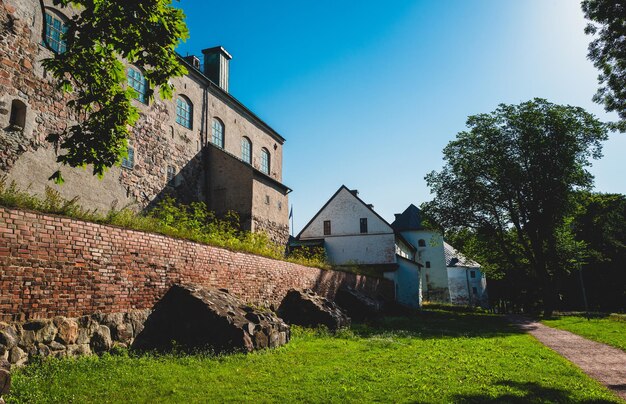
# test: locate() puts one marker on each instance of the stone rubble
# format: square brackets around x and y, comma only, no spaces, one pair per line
[191,318]
[308,309]
[357,305]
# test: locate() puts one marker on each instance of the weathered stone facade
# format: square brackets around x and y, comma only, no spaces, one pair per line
[169,158]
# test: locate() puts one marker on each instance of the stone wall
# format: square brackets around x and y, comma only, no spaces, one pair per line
[55,266]
[160,144]
[65,337]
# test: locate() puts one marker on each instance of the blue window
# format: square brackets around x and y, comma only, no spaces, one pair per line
[55,29]
[265,161]
[246,150]
[218,134]
[138,83]
[184,112]
[129,161]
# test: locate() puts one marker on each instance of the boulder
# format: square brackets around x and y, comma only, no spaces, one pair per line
[308,309]
[101,340]
[68,330]
[5,377]
[192,317]
[357,305]
[37,331]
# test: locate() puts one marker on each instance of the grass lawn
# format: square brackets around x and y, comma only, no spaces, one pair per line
[434,356]
[604,330]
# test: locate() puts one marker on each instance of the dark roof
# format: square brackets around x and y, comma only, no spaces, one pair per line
[355,194]
[456,259]
[410,219]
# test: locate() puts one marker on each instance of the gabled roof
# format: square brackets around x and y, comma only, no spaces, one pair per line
[456,259]
[410,219]
[354,194]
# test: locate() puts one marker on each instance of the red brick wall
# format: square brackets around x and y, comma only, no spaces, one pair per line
[53,266]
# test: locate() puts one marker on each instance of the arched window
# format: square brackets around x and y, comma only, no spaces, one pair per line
[265,161]
[246,150]
[218,133]
[55,29]
[421,243]
[184,112]
[137,82]
[18,114]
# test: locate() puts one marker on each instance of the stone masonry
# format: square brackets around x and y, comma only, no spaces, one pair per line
[168,158]
[55,266]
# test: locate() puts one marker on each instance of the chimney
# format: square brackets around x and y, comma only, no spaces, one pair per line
[216,66]
[193,60]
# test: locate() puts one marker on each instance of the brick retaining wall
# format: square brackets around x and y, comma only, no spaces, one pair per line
[51,266]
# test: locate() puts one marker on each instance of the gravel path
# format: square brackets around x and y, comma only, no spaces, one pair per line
[602,362]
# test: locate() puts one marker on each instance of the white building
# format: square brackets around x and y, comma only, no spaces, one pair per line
[353,234]
[467,283]
[430,253]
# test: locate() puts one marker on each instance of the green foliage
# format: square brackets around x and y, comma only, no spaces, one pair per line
[144,33]
[433,356]
[191,222]
[607,51]
[510,180]
[316,256]
[603,330]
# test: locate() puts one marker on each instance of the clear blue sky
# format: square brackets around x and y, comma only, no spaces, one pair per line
[367,93]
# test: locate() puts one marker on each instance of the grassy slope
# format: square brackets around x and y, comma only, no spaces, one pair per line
[431,357]
[598,329]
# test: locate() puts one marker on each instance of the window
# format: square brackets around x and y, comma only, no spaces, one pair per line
[137,82]
[267,199]
[55,29]
[472,274]
[326,227]
[280,205]
[246,150]
[18,114]
[363,225]
[184,112]
[474,290]
[421,243]
[427,264]
[171,174]
[129,161]
[265,161]
[218,134]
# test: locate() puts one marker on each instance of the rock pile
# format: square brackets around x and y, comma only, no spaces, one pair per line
[308,309]
[61,336]
[5,378]
[357,305]
[192,317]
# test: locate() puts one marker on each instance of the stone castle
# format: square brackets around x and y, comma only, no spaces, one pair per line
[202,145]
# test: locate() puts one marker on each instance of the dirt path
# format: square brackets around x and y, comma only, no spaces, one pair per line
[602,362]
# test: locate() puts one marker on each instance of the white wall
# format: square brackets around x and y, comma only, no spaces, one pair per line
[434,279]
[461,286]
[361,249]
[345,212]
[408,285]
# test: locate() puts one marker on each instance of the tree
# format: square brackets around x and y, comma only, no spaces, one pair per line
[600,221]
[608,53]
[510,178]
[105,32]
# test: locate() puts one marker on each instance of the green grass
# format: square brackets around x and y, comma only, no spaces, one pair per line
[434,356]
[606,330]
